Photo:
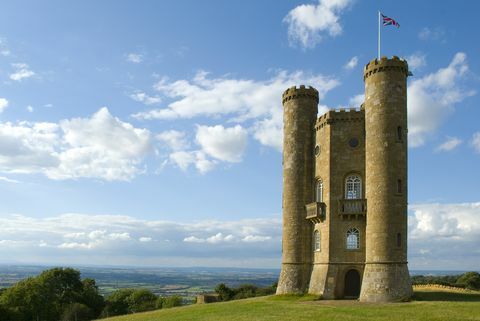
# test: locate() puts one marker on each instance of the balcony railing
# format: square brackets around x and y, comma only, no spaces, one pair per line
[316,211]
[353,207]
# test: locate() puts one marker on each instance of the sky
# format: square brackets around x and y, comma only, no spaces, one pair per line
[150,133]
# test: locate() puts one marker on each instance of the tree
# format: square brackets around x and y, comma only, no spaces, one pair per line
[171,301]
[47,296]
[116,303]
[91,297]
[141,300]
[224,292]
[77,312]
[469,280]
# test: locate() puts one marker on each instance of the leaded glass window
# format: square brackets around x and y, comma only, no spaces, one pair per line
[353,239]
[353,187]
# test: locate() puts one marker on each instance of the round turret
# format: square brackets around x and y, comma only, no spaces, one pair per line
[300,113]
[386,276]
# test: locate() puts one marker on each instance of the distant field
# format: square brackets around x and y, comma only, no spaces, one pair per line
[186,282]
[432,304]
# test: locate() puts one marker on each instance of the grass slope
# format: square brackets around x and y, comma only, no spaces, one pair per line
[429,304]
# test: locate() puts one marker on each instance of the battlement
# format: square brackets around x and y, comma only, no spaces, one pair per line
[300,92]
[384,64]
[340,115]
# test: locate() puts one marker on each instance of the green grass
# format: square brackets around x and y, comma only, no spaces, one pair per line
[428,305]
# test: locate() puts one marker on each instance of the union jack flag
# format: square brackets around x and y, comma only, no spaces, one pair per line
[389,21]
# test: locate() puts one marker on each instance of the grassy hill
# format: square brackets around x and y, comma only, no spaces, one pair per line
[430,304]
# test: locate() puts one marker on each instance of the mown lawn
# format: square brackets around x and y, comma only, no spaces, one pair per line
[428,305]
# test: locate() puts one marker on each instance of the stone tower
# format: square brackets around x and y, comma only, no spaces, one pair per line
[345,192]
[300,112]
[386,276]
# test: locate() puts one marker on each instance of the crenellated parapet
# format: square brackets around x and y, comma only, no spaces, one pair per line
[345,115]
[384,64]
[300,92]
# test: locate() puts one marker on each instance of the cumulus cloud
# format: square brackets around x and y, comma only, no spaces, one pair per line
[225,144]
[441,236]
[101,146]
[30,109]
[309,23]
[416,61]
[238,99]
[3,104]
[22,71]
[135,58]
[476,141]
[357,100]
[450,144]
[113,239]
[214,144]
[173,139]
[444,235]
[144,98]
[432,98]
[352,63]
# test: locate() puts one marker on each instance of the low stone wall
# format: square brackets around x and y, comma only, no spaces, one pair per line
[442,287]
[207,298]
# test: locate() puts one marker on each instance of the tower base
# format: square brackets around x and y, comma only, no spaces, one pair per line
[386,282]
[294,278]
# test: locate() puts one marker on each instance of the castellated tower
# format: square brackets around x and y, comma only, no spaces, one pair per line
[300,112]
[386,276]
[345,192]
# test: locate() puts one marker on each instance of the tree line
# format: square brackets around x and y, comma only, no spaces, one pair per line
[468,280]
[59,294]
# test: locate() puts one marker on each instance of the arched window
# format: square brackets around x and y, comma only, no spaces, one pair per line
[353,187]
[319,191]
[316,241]
[353,239]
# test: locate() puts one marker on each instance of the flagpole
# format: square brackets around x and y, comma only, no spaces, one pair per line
[379,35]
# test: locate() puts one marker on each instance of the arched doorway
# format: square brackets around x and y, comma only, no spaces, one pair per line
[352,284]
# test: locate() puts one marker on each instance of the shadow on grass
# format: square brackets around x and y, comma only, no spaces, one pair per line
[446,296]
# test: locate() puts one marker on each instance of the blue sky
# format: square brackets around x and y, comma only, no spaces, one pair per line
[149,133]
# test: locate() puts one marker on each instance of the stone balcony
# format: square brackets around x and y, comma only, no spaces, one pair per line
[316,211]
[352,208]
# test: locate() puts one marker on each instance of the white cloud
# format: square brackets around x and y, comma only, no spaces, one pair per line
[183,159]
[416,61]
[433,97]
[308,23]
[238,99]
[476,141]
[444,235]
[441,236]
[3,104]
[255,238]
[436,34]
[144,98]
[30,109]
[357,101]
[450,144]
[225,144]
[22,71]
[98,147]
[352,63]
[114,239]
[174,139]
[8,180]
[134,58]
